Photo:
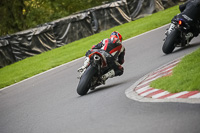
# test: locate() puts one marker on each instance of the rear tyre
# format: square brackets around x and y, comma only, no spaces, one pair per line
[169,44]
[85,81]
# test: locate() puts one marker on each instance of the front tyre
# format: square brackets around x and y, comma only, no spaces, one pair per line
[169,44]
[85,81]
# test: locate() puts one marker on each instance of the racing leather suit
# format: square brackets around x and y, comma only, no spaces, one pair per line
[190,12]
[116,49]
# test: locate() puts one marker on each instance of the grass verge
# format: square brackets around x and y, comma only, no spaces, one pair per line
[185,76]
[31,66]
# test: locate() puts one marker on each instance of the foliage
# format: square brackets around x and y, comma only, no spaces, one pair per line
[18,15]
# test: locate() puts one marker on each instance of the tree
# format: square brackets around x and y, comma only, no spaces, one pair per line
[11,15]
[18,15]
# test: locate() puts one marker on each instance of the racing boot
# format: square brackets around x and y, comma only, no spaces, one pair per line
[85,65]
[109,74]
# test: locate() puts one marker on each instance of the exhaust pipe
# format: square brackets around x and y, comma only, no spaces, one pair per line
[96,57]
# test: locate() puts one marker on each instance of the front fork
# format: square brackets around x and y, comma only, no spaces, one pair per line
[171,27]
[184,38]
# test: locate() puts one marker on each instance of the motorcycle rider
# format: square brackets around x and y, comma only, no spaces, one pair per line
[113,46]
[190,12]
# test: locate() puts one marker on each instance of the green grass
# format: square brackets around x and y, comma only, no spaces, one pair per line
[185,76]
[31,66]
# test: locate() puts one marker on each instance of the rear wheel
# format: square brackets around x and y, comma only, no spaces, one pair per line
[85,81]
[169,44]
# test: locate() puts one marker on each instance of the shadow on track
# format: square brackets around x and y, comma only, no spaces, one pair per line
[187,47]
[101,88]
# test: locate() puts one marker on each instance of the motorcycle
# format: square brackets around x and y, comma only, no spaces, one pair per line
[178,35]
[90,78]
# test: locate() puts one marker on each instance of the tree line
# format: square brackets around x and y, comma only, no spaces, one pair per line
[18,15]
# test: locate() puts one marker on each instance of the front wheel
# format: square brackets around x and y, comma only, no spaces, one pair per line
[170,42]
[85,81]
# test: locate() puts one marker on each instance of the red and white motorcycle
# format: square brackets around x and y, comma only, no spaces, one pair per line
[91,76]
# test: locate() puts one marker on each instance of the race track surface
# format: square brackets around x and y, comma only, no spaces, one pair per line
[48,103]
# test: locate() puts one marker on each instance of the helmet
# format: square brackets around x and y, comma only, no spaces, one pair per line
[116,35]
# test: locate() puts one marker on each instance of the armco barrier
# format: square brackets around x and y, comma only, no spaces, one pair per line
[51,35]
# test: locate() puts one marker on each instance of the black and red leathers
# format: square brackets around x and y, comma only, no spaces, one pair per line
[190,12]
[114,47]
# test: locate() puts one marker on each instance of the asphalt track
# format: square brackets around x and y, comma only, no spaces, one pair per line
[48,103]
